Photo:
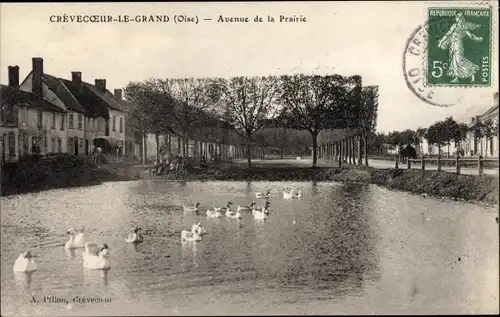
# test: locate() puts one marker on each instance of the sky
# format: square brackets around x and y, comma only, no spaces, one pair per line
[348,38]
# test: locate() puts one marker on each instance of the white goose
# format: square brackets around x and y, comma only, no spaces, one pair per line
[214,213]
[134,236]
[263,195]
[191,208]
[261,214]
[229,213]
[288,195]
[198,228]
[190,236]
[76,240]
[245,208]
[25,263]
[298,195]
[264,208]
[95,258]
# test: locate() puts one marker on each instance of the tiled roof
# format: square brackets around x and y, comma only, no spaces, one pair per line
[94,105]
[60,89]
[106,96]
[12,94]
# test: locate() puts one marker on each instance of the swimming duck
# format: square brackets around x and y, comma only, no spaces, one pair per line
[96,258]
[263,195]
[76,240]
[288,195]
[264,209]
[233,215]
[191,208]
[198,228]
[190,236]
[261,214]
[225,209]
[25,263]
[134,236]
[213,213]
[298,194]
[245,208]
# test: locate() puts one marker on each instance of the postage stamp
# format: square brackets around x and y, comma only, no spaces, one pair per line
[459,50]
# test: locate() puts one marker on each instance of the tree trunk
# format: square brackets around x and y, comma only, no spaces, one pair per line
[169,140]
[249,155]
[144,152]
[360,158]
[179,151]
[365,141]
[157,139]
[314,136]
[282,152]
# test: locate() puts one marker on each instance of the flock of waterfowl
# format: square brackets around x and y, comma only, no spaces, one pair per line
[96,258]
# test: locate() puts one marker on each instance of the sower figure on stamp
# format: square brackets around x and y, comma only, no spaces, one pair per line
[460,67]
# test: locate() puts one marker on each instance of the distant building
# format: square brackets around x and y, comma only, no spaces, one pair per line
[483,146]
[29,121]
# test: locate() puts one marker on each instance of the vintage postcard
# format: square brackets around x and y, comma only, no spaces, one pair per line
[249,158]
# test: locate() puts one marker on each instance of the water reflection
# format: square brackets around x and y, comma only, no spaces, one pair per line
[70,253]
[340,242]
[96,277]
[23,280]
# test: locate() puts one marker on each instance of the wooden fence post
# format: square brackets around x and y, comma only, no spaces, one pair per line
[339,159]
[423,163]
[439,163]
[408,160]
[397,162]
[480,164]
[457,163]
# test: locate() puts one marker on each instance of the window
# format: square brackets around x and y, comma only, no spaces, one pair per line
[70,119]
[53,126]
[114,123]
[121,125]
[80,143]
[59,145]
[24,115]
[8,114]
[62,122]
[54,149]
[39,117]
[106,128]
[80,122]
[12,145]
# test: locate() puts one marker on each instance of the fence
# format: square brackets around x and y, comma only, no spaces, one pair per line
[457,162]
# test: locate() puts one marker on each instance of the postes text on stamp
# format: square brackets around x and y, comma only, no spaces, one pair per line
[459,50]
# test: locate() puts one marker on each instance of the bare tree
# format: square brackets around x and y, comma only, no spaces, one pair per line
[315,103]
[150,110]
[367,117]
[248,102]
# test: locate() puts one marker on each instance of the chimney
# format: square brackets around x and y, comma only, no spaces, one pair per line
[100,84]
[14,76]
[76,79]
[118,93]
[36,81]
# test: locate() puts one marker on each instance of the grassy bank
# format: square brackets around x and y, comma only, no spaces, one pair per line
[64,171]
[464,187]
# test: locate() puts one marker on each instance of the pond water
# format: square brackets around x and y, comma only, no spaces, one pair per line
[353,249]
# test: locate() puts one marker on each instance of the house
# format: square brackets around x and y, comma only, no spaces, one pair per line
[484,146]
[133,139]
[66,128]
[31,119]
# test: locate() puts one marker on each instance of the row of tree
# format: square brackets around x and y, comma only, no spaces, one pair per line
[441,133]
[248,111]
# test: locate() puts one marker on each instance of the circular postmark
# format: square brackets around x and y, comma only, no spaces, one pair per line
[415,68]
[417,72]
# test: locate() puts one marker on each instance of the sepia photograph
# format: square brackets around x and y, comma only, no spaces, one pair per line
[249,158]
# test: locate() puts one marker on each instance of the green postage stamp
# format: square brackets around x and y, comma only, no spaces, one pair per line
[459,47]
